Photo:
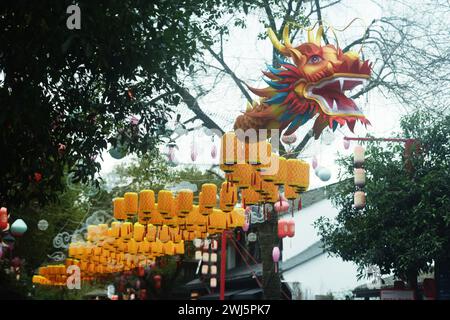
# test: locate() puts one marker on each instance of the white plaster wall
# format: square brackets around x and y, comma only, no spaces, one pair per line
[305,233]
[322,275]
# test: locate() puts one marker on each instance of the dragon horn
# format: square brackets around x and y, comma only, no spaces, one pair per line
[317,39]
[286,40]
[281,48]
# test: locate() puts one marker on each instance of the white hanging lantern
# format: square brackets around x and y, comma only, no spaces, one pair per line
[360,199]
[360,177]
[358,156]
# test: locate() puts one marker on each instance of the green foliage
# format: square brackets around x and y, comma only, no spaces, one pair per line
[79,88]
[406,223]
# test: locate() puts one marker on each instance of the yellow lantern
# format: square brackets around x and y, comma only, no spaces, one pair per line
[228,194]
[294,172]
[250,197]
[209,195]
[131,204]
[146,204]
[269,171]
[144,247]
[119,208]
[289,192]
[192,218]
[281,175]
[132,246]
[126,230]
[179,247]
[304,176]
[272,194]
[228,152]
[176,234]
[245,173]
[217,221]
[151,232]
[169,248]
[115,229]
[165,201]
[238,217]
[203,210]
[164,234]
[156,217]
[157,248]
[264,154]
[138,232]
[185,200]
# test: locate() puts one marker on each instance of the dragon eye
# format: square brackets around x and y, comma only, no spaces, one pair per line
[315,59]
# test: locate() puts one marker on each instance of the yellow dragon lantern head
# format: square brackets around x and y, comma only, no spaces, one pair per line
[314,84]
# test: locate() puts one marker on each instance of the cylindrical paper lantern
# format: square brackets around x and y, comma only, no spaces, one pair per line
[119,208]
[360,199]
[290,228]
[165,199]
[360,177]
[358,156]
[131,204]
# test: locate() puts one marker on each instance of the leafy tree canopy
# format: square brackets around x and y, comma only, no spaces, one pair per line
[65,94]
[405,225]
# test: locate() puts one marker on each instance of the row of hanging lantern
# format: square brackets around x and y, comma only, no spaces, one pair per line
[206,254]
[359,177]
[259,173]
[161,228]
[145,229]
[56,274]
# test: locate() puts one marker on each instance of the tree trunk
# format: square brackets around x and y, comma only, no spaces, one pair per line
[268,238]
[412,281]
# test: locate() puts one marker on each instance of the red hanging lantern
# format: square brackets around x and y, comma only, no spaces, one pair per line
[157,279]
[282,228]
[290,228]
[3,218]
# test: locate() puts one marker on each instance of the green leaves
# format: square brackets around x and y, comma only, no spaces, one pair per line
[405,225]
[71,87]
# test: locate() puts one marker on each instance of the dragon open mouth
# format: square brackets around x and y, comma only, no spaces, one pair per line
[330,94]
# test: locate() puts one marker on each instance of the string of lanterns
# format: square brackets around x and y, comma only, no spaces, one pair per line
[148,226]
[359,177]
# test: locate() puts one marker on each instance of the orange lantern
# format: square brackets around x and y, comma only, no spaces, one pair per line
[131,204]
[165,200]
[185,200]
[209,194]
[249,197]
[119,208]
[151,232]
[164,234]
[146,204]
[281,175]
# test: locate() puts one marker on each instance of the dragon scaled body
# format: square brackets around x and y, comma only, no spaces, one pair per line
[314,84]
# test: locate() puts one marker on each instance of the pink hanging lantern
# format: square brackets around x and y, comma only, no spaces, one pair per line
[346,144]
[276,257]
[358,156]
[282,228]
[213,151]
[290,228]
[281,206]
[194,153]
[171,152]
[246,226]
[314,162]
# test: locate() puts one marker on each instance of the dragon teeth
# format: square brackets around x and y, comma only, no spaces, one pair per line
[341,84]
[335,107]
